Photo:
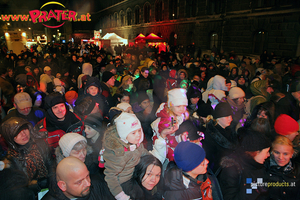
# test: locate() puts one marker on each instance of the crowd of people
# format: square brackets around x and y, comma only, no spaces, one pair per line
[80,123]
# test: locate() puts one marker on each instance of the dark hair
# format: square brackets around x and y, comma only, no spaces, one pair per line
[144,69]
[141,168]
[120,95]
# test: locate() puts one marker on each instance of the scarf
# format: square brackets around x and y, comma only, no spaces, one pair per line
[286,168]
[35,166]
[53,124]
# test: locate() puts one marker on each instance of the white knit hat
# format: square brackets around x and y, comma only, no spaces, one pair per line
[68,141]
[123,106]
[126,123]
[177,97]
[236,92]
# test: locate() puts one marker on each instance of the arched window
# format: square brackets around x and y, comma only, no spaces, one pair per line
[129,16]
[260,41]
[137,15]
[158,10]
[173,9]
[213,40]
[191,8]
[147,12]
[110,21]
[115,22]
[122,18]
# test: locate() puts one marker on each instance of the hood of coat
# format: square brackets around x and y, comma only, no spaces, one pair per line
[92,81]
[9,129]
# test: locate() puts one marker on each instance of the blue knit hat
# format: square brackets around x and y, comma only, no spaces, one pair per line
[188,156]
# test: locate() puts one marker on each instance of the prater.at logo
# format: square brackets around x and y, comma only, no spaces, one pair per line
[52,15]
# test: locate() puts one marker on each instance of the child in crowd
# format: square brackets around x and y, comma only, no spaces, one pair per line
[170,116]
[123,150]
[126,107]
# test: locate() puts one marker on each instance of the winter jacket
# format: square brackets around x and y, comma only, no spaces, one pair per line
[237,170]
[180,186]
[218,143]
[9,130]
[289,174]
[288,105]
[35,115]
[52,136]
[119,160]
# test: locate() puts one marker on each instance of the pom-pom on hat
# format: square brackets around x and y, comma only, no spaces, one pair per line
[188,156]
[223,109]
[177,97]
[285,125]
[236,92]
[68,141]
[126,123]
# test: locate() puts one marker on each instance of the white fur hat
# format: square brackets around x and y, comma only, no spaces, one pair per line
[123,106]
[177,97]
[68,141]
[126,123]
[236,92]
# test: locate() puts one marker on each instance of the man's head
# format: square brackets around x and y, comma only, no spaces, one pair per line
[23,103]
[73,178]
[55,106]
[145,72]
[47,70]
[192,163]
[108,78]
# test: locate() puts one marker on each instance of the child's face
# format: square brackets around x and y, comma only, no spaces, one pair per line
[134,136]
[90,132]
[145,103]
[92,90]
[178,110]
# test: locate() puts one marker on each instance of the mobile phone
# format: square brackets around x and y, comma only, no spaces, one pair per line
[172,121]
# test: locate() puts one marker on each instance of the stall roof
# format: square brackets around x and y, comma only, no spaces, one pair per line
[140,36]
[152,36]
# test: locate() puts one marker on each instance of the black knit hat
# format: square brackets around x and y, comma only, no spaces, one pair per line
[194,92]
[94,121]
[142,96]
[204,110]
[53,99]
[254,141]
[188,126]
[106,76]
[223,109]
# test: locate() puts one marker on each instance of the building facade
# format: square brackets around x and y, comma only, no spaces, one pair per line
[243,26]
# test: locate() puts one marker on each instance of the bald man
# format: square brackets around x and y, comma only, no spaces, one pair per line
[73,182]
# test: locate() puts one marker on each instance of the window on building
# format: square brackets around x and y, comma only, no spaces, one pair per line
[173,4]
[122,18]
[147,12]
[137,15]
[158,10]
[191,8]
[129,16]
[260,41]
[214,7]
[115,21]
[213,40]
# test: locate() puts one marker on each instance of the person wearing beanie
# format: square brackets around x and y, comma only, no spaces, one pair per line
[123,150]
[58,120]
[194,95]
[126,107]
[189,178]
[24,109]
[286,126]
[107,86]
[219,140]
[244,167]
[71,97]
[188,132]
[289,104]
[236,98]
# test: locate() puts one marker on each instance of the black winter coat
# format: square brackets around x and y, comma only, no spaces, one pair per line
[175,189]
[218,143]
[236,170]
[289,174]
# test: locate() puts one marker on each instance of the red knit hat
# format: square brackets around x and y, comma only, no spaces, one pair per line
[285,125]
